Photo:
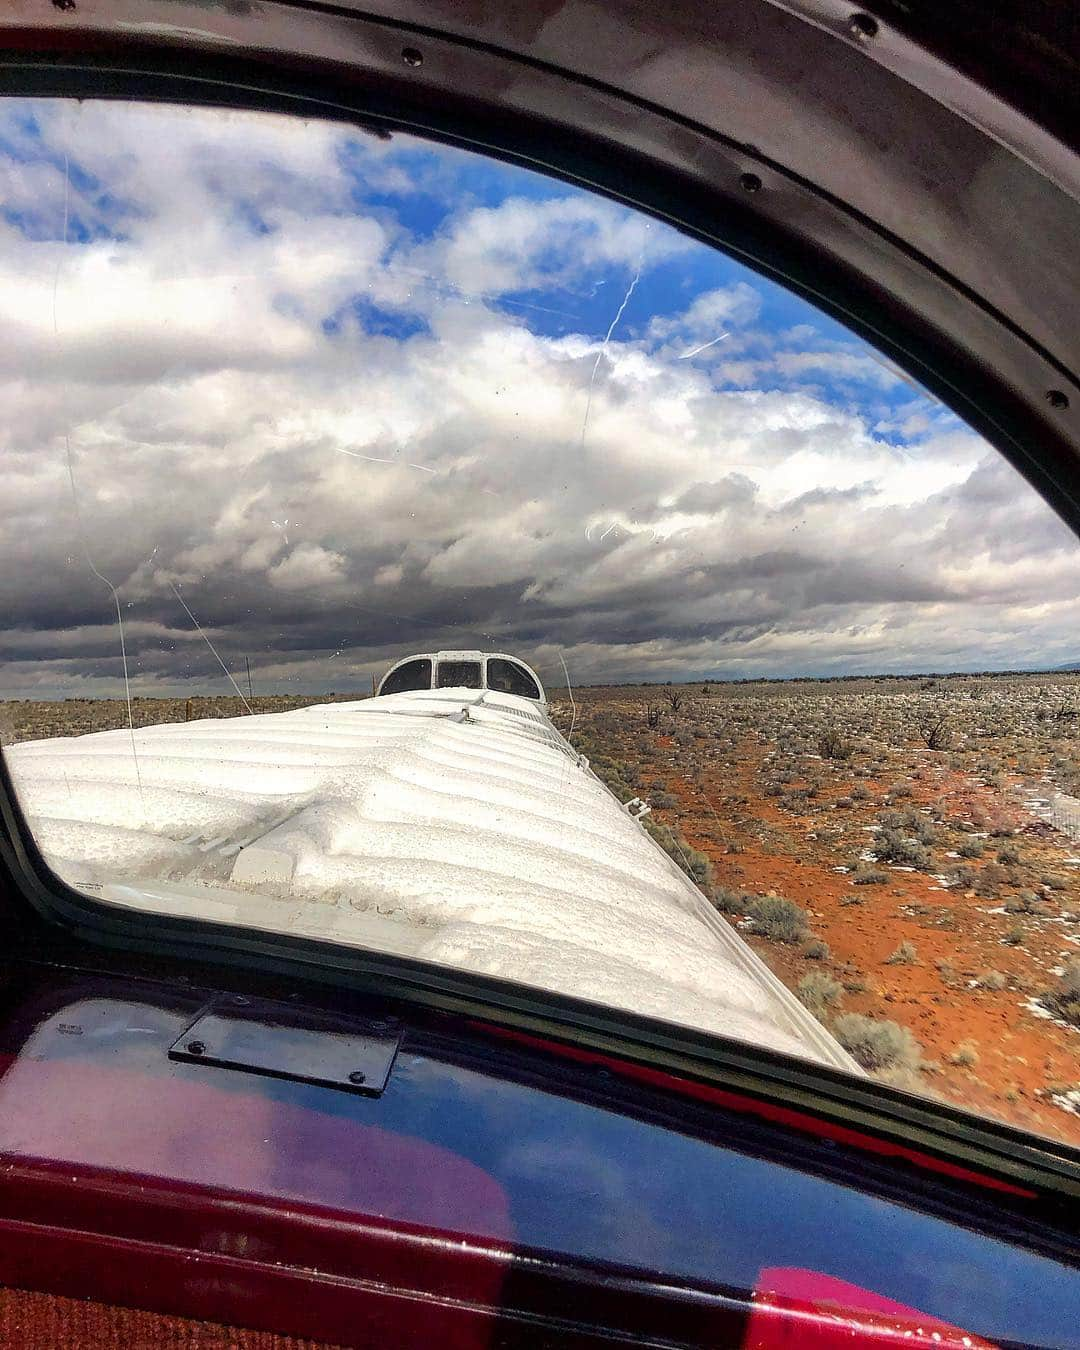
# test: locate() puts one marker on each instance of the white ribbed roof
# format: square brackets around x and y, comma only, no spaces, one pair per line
[452,826]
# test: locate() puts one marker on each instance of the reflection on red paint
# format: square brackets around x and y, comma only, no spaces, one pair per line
[806,1310]
[779,1115]
[223,1131]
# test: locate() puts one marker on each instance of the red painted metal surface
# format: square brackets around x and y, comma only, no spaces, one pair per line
[805,1310]
[198,1129]
[490,1196]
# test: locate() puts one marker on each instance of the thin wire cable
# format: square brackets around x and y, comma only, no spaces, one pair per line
[217,658]
[119,617]
[573,705]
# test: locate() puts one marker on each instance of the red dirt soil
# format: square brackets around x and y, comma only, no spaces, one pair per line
[1021,1056]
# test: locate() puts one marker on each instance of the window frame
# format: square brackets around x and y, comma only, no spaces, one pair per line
[951,345]
[521,670]
[404,665]
[478,665]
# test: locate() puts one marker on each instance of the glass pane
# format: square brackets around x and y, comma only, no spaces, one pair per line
[286,403]
[410,676]
[509,678]
[459,675]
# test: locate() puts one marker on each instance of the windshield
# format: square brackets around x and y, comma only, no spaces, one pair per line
[779,732]
[409,675]
[463,674]
[509,678]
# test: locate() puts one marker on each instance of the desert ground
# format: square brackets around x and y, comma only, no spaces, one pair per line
[878,841]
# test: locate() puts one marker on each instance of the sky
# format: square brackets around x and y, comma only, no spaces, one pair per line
[285,393]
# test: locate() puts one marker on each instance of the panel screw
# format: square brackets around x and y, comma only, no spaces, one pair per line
[63,5]
[196,1048]
[750,182]
[358,1076]
[412,56]
[863,27]
[1057,398]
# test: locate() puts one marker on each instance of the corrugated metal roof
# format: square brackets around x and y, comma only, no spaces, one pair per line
[453,826]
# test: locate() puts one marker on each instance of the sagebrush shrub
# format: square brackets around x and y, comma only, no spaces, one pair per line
[991,879]
[832,745]
[779,919]
[892,846]
[1064,1000]
[877,1044]
[728,900]
[993,980]
[819,991]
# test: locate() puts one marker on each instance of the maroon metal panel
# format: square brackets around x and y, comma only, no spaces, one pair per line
[487,1197]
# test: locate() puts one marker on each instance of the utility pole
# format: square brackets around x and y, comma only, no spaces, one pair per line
[247,663]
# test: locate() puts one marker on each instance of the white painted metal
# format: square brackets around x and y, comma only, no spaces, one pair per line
[453,826]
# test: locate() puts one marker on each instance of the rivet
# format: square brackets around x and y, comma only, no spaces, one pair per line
[863,26]
[358,1076]
[196,1048]
[750,182]
[412,56]
[1057,398]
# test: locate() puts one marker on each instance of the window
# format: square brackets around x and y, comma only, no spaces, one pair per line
[508,678]
[459,675]
[412,675]
[294,403]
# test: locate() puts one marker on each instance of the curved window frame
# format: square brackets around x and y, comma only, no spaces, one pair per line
[55,920]
[400,669]
[523,673]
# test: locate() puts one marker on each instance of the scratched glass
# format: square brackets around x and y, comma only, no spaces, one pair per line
[695,615]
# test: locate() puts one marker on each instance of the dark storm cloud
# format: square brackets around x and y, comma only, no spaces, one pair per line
[321,428]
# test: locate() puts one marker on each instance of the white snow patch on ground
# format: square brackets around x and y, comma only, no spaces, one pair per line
[1037,1009]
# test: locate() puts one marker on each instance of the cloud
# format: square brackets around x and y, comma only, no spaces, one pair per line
[710,314]
[334,391]
[526,245]
[308,567]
